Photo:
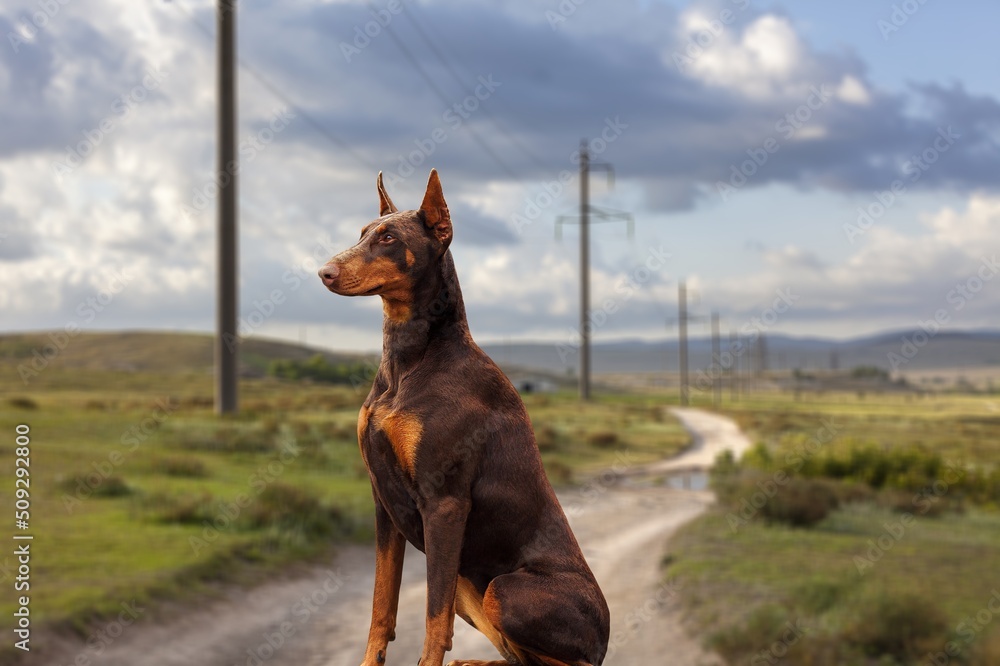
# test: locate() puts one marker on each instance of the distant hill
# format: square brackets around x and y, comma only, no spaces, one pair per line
[169,352]
[156,352]
[946,350]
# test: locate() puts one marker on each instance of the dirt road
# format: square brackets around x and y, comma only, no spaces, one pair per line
[623,520]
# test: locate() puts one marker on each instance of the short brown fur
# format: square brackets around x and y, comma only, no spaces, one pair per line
[454,465]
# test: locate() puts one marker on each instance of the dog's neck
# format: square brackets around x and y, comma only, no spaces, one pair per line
[435,317]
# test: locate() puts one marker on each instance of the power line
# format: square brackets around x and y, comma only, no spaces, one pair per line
[408,55]
[274,90]
[465,87]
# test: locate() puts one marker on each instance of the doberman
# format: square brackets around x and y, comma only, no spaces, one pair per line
[454,466]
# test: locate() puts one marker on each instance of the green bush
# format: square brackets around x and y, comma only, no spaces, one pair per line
[904,627]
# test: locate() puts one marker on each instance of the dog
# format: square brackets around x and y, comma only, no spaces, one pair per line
[454,466]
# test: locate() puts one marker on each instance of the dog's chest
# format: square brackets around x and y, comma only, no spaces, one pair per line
[384,427]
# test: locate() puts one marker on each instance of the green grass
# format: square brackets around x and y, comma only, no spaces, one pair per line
[879,580]
[131,473]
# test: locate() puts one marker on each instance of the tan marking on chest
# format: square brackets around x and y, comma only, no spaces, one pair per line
[403,431]
[363,416]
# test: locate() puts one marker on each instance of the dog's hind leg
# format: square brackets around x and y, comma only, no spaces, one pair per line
[558,619]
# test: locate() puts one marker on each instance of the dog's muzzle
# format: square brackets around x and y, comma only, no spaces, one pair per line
[328,274]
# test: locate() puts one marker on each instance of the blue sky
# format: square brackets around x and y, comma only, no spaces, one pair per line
[107,144]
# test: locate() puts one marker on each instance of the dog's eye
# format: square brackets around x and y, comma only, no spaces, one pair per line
[386,238]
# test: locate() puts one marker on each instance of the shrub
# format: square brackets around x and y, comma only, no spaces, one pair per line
[98,486]
[762,627]
[182,467]
[290,509]
[902,626]
[547,438]
[603,440]
[21,402]
[801,502]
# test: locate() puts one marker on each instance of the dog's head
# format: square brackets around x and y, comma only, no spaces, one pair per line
[395,252]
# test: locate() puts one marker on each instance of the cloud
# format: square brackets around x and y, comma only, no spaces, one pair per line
[480,92]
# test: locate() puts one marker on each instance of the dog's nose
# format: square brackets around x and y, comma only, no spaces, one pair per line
[329,273]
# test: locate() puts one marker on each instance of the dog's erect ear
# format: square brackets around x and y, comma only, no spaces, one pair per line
[435,210]
[385,205]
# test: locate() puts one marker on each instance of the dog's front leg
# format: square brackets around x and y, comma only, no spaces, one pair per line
[390,545]
[444,526]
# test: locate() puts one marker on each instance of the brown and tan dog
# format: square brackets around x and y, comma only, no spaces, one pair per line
[454,466]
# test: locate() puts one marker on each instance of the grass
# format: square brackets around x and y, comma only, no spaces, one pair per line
[138,491]
[883,568]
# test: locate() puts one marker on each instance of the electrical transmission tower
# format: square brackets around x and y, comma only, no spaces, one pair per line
[683,317]
[583,218]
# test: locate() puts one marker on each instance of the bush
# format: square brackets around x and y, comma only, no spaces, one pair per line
[89,484]
[289,509]
[318,369]
[20,402]
[904,627]
[797,502]
[182,467]
[762,627]
[801,503]
[603,440]
[547,438]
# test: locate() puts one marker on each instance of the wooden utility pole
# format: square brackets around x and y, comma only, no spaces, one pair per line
[682,340]
[734,391]
[584,219]
[226,339]
[716,365]
[584,271]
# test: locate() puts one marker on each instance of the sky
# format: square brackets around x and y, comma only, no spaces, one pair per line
[821,169]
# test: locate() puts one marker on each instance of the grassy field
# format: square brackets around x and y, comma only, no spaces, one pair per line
[139,492]
[859,531]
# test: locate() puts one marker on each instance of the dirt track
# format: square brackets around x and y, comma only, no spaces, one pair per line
[622,520]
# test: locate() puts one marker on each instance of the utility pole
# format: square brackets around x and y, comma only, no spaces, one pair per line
[716,363]
[682,340]
[226,340]
[584,220]
[734,391]
[584,272]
